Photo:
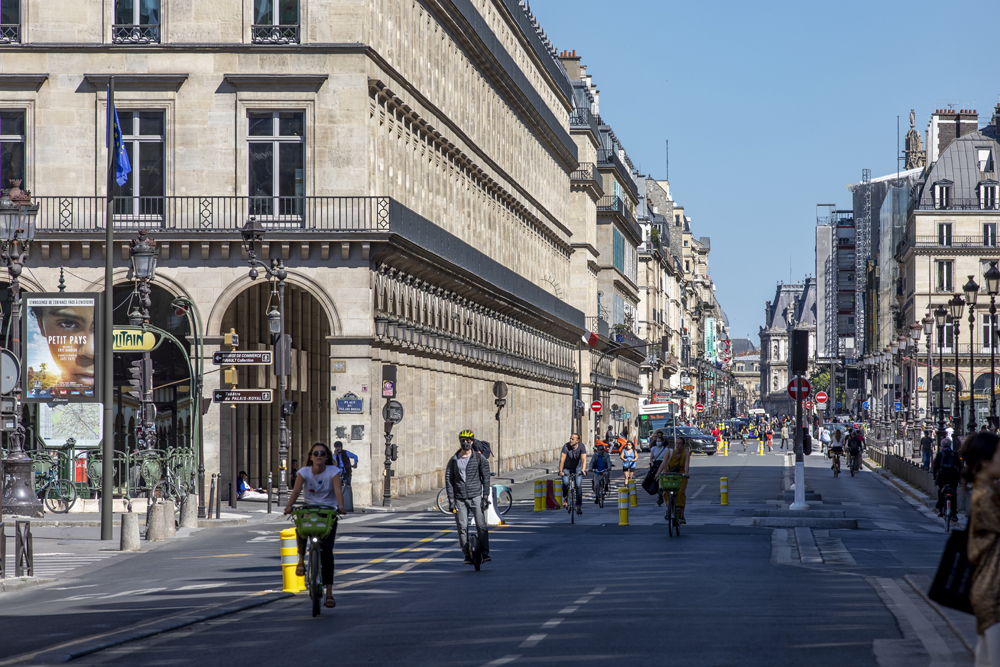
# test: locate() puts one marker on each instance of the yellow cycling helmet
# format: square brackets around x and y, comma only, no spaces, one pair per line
[467,433]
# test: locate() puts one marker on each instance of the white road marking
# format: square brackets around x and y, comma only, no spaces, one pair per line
[568,610]
[196,587]
[552,623]
[502,661]
[532,641]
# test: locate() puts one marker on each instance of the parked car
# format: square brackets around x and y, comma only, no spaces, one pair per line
[698,442]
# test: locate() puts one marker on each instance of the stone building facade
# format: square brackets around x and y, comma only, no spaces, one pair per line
[793,307]
[414,166]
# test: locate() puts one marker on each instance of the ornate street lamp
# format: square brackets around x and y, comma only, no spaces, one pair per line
[957,307]
[941,319]
[992,278]
[252,234]
[928,328]
[971,290]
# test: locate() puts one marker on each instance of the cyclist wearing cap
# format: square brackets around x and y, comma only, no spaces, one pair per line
[320,485]
[467,480]
[601,467]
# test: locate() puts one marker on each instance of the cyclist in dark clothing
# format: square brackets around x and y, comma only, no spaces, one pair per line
[946,469]
[573,461]
[927,449]
[854,447]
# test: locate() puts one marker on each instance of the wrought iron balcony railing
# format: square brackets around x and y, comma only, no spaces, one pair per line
[10,33]
[586,172]
[583,119]
[275,34]
[128,33]
[607,157]
[961,204]
[210,214]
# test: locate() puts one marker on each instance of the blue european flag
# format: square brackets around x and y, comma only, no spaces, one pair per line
[122,166]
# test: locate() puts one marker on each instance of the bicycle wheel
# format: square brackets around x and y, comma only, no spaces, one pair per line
[670,515]
[313,582]
[165,490]
[504,501]
[60,496]
[571,503]
[947,516]
[442,502]
[601,491]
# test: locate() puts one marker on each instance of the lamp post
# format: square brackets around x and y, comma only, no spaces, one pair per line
[992,277]
[18,484]
[941,319]
[971,290]
[957,306]
[890,401]
[915,330]
[142,254]
[928,327]
[253,239]
[182,304]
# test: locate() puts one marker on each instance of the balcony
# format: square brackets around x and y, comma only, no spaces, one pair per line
[960,204]
[598,325]
[586,172]
[583,119]
[275,34]
[607,159]
[10,33]
[147,33]
[205,214]
[614,204]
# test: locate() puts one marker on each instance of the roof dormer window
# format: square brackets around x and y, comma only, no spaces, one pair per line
[988,194]
[984,156]
[942,194]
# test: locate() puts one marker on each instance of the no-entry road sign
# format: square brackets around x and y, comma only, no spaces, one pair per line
[699,407]
[596,406]
[799,388]
[809,405]
[821,397]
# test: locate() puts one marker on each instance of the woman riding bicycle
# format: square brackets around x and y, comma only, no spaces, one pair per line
[837,448]
[322,487]
[678,461]
[629,457]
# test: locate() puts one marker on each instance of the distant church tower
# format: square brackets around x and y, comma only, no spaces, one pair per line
[915,154]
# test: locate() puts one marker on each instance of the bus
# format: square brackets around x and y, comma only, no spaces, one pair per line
[653,416]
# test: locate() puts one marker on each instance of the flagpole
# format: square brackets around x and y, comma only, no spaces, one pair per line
[107,383]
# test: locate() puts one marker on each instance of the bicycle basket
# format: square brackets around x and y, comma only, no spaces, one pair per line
[671,481]
[316,521]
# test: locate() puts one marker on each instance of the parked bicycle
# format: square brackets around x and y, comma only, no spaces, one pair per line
[504,499]
[314,523]
[671,483]
[57,494]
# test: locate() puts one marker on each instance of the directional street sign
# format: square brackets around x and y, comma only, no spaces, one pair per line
[242,358]
[799,388]
[242,395]
[596,406]
[821,397]
[864,406]
[699,407]
[899,406]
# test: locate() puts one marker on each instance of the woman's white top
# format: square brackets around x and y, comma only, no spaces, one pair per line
[317,489]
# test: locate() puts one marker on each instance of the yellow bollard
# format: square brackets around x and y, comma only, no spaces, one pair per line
[539,495]
[761,449]
[557,491]
[289,559]
[633,497]
[623,497]
[724,489]
[725,448]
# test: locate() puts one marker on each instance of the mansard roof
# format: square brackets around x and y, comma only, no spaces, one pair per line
[958,166]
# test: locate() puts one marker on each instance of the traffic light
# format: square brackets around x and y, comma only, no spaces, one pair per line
[140,378]
[393,452]
[288,408]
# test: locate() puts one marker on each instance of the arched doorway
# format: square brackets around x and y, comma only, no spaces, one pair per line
[171,379]
[981,393]
[309,383]
[950,386]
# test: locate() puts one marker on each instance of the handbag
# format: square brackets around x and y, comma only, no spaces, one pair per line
[953,580]
[649,483]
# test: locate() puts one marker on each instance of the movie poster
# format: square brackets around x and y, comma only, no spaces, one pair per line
[60,347]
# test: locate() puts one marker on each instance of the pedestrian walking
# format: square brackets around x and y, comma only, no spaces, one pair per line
[770,438]
[982,460]
[927,449]
[629,457]
[784,436]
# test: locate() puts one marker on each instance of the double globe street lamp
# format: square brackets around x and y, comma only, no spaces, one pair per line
[971,290]
[941,319]
[957,306]
[992,278]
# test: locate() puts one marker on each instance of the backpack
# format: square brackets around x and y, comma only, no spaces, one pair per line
[949,464]
[483,448]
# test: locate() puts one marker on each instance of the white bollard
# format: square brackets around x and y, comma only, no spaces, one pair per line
[130,532]
[189,511]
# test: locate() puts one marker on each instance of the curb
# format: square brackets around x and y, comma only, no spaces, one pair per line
[918,500]
[909,578]
[17,584]
[221,523]
[85,646]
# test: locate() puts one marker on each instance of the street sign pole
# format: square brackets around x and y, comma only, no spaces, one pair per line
[800,347]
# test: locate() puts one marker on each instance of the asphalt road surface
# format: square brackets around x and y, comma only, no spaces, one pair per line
[725,592]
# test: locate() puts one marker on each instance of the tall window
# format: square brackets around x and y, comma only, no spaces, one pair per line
[984,156]
[988,195]
[10,21]
[276,21]
[944,281]
[143,133]
[942,195]
[11,147]
[618,250]
[136,22]
[988,326]
[990,234]
[946,336]
[944,234]
[277,162]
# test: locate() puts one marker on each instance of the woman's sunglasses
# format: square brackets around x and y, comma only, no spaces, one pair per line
[319,453]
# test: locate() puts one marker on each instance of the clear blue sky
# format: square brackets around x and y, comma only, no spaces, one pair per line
[771,108]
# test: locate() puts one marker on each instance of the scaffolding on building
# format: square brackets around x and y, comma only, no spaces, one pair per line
[830,270]
[862,252]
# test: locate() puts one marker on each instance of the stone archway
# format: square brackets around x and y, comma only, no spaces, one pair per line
[308,322]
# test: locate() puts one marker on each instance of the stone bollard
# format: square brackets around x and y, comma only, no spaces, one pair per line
[130,532]
[169,524]
[189,511]
[155,528]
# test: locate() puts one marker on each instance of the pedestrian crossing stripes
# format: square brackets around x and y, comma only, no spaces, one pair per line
[48,565]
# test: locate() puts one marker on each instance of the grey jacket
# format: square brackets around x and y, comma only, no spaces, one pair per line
[477,478]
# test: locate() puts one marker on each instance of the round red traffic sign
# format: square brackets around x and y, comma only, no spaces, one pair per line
[699,407]
[821,397]
[596,406]
[809,405]
[799,388]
